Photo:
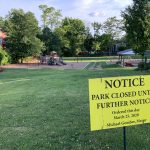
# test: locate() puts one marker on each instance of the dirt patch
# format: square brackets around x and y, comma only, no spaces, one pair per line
[69,65]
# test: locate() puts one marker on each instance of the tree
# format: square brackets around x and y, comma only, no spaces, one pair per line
[4,57]
[22,29]
[2,21]
[88,42]
[112,32]
[96,45]
[97,27]
[105,41]
[50,16]
[74,34]
[46,37]
[51,21]
[137,25]
[113,27]
[51,40]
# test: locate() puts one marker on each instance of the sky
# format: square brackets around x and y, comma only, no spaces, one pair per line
[87,10]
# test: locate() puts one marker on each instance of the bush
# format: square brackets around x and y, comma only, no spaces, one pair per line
[141,65]
[1,57]
[144,66]
[118,62]
[147,66]
[4,57]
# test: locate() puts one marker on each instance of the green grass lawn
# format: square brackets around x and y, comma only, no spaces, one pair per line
[97,59]
[89,59]
[48,109]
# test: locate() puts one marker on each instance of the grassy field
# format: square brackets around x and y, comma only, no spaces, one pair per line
[97,59]
[48,109]
[89,58]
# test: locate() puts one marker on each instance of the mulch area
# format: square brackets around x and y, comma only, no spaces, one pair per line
[69,65]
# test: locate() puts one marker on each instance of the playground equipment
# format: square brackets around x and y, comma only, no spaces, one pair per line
[53,59]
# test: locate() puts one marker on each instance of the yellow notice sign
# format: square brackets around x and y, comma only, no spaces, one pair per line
[119,101]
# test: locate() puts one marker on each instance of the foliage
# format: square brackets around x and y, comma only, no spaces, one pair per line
[105,41]
[4,57]
[68,36]
[144,66]
[122,47]
[50,16]
[113,27]
[137,25]
[67,39]
[88,42]
[22,29]
[1,56]
[96,45]
[112,32]
[147,66]
[2,22]
[73,36]
[51,39]
[108,33]
[97,27]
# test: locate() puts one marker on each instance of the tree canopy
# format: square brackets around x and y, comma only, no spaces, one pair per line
[137,25]
[73,32]
[68,36]
[51,17]
[22,29]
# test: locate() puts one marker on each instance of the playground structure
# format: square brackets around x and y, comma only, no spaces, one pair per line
[52,59]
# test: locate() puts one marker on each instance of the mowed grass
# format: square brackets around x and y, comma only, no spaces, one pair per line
[98,58]
[89,59]
[50,111]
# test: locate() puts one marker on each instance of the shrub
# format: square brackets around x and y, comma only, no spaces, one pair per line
[141,65]
[118,62]
[147,66]
[144,66]
[4,57]
[1,57]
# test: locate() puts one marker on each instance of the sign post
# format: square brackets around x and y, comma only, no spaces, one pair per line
[124,138]
[119,102]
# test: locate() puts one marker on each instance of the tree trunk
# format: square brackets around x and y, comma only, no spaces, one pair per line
[145,60]
[21,60]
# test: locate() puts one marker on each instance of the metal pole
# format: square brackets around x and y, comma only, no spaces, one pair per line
[124,138]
